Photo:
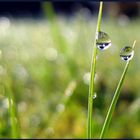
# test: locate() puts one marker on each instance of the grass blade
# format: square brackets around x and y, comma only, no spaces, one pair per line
[92,76]
[114,100]
[12,112]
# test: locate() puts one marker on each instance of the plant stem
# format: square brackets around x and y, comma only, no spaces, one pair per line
[114,100]
[92,76]
[12,112]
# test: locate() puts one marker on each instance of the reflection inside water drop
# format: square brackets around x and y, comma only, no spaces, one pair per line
[127,53]
[103,41]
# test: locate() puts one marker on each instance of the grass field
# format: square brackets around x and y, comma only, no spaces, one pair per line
[46,63]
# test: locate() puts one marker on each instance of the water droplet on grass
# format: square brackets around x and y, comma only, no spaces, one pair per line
[95,95]
[103,41]
[127,53]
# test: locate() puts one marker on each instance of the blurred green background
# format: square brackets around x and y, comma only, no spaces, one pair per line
[46,63]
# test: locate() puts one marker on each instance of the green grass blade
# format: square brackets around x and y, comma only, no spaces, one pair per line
[114,100]
[12,112]
[54,27]
[92,76]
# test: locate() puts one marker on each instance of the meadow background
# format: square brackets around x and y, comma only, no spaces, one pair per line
[45,64]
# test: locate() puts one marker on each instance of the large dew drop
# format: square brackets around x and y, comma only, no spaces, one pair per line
[103,41]
[127,53]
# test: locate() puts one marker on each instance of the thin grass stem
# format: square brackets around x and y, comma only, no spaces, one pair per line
[114,100]
[92,76]
[12,111]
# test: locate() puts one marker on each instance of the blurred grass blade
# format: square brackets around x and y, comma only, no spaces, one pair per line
[55,29]
[114,100]
[12,112]
[92,76]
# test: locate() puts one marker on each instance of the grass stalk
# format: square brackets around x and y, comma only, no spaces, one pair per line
[54,27]
[114,100]
[12,112]
[92,76]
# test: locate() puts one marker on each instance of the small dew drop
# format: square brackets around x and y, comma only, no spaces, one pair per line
[103,41]
[96,77]
[127,53]
[95,95]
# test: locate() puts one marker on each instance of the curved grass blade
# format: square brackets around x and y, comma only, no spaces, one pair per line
[114,100]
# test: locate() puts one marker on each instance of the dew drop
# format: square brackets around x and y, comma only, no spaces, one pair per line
[95,95]
[127,53]
[103,41]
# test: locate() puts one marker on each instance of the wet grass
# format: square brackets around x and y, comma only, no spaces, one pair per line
[49,86]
